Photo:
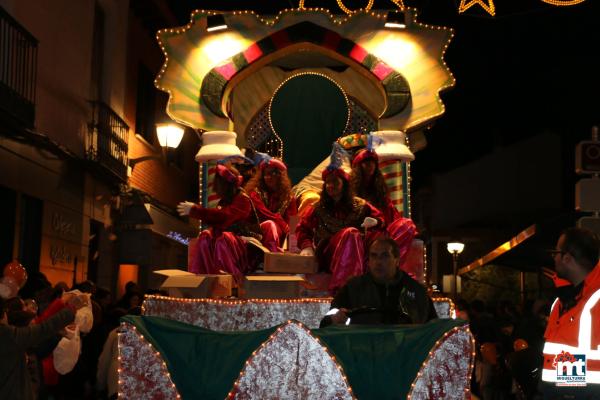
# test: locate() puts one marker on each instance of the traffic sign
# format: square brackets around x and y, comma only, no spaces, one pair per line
[587,194]
[587,157]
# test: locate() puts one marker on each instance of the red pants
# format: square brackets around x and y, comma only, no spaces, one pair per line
[223,252]
[344,256]
[271,236]
[403,231]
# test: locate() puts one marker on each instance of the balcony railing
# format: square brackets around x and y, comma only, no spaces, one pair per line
[107,141]
[18,67]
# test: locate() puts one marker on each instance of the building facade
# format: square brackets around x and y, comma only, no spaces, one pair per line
[77,105]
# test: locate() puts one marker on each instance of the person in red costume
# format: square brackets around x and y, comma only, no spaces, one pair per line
[221,247]
[367,182]
[272,187]
[332,227]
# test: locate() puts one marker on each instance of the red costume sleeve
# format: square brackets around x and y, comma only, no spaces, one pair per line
[227,215]
[390,212]
[375,213]
[306,228]
[291,210]
[52,309]
[264,213]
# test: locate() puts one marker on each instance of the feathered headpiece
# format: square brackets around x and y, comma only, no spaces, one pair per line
[368,153]
[263,160]
[236,159]
[259,157]
[335,164]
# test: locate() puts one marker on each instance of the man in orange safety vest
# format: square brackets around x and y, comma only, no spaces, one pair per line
[572,350]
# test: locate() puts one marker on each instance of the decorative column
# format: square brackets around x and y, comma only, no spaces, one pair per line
[394,155]
[215,146]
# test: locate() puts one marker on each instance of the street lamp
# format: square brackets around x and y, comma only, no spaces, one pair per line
[169,137]
[455,248]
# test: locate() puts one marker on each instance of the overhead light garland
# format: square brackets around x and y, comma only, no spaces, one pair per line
[342,6]
[487,5]
[490,8]
[562,3]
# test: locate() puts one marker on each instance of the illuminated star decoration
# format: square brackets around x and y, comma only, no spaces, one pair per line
[488,7]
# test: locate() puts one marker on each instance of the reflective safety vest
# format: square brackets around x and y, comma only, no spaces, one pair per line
[577,332]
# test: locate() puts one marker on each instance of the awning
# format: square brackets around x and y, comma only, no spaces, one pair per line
[528,249]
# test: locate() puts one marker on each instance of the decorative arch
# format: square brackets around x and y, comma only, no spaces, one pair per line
[260,136]
[214,86]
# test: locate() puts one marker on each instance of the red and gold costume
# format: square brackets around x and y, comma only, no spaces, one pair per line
[286,209]
[338,239]
[274,213]
[401,230]
[273,227]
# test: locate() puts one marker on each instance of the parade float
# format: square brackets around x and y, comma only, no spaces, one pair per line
[289,85]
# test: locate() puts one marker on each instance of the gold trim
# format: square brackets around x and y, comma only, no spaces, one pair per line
[563,3]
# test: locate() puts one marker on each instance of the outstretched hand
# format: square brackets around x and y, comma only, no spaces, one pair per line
[184,208]
[369,222]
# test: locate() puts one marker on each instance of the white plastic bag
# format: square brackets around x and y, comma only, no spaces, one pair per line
[66,353]
[84,317]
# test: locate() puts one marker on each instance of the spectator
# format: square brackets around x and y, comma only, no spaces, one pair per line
[15,379]
[575,317]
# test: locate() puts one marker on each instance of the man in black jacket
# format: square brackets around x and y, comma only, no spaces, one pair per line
[15,379]
[384,295]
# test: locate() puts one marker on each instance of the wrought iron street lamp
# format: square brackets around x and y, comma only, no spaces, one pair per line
[169,137]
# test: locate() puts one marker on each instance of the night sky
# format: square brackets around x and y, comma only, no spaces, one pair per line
[533,68]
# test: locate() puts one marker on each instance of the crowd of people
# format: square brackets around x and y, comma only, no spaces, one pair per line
[509,340]
[513,342]
[33,325]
